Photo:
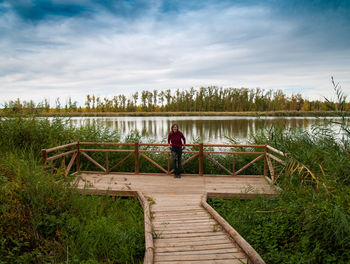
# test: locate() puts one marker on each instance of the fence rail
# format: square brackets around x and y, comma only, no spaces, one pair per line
[78,150]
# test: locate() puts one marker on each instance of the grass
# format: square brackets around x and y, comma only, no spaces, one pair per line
[309,221]
[45,221]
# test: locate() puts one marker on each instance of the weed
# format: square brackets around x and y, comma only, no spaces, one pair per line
[150,200]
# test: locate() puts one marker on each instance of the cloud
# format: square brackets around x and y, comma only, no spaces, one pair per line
[125,46]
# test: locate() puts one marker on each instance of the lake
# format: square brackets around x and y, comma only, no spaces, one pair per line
[208,129]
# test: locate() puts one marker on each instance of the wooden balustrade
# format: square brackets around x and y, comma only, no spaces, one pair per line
[77,150]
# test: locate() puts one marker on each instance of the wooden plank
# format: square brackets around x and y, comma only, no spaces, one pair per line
[107,143]
[199,250]
[192,243]
[61,155]
[149,254]
[154,151]
[70,164]
[243,196]
[107,150]
[107,162]
[186,235]
[234,145]
[61,147]
[164,144]
[221,261]
[181,221]
[217,236]
[200,160]
[272,171]
[153,162]
[93,161]
[247,165]
[233,163]
[219,164]
[43,157]
[183,226]
[137,158]
[175,210]
[106,192]
[275,150]
[234,152]
[228,176]
[209,256]
[168,162]
[164,207]
[169,218]
[275,158]
[186,231]
[180,215]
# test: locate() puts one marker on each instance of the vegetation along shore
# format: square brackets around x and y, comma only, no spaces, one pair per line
[204,101]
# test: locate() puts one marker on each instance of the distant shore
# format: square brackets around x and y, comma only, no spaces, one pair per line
[251,114]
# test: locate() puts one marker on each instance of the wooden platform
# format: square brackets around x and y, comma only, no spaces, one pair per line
[183,230]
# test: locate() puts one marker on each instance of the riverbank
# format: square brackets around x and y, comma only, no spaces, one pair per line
[243,114]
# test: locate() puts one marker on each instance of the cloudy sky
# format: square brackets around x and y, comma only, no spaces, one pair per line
[62,48]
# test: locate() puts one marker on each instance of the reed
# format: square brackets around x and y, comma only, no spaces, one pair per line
[309,221]
[43,221]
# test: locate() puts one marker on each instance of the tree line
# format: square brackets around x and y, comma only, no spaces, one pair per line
[205,99]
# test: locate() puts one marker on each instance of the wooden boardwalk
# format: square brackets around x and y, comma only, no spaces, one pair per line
[183,231]
[180,226]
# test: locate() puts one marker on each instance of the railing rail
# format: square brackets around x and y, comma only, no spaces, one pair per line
[77,150]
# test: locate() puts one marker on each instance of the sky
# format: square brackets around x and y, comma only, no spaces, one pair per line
[71,48]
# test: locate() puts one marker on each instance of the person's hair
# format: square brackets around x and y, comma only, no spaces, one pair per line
[173,127]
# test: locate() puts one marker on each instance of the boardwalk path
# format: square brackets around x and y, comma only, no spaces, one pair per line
[184,232]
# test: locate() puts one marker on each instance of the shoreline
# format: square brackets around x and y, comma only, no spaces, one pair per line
[243,114]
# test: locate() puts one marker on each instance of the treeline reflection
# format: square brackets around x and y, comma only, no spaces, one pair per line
[204,129]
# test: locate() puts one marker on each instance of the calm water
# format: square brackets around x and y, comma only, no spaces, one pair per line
[207,129]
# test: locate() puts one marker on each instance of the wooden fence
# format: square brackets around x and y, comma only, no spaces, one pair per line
[76,150]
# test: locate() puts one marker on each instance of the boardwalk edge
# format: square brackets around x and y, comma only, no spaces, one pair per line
[253,256]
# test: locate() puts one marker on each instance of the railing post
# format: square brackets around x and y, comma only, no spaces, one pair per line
[107,163]
[78,157]
[265,162]
[234,164]
[200,159]
[137,165]
[168,162]
[63,163]
[43,158]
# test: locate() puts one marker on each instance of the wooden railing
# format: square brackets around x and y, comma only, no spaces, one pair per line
[77,150]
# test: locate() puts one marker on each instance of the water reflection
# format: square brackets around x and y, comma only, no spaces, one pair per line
[205,129]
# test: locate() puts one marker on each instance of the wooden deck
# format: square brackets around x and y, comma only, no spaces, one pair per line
[183,231]
[152,184]
[180,226]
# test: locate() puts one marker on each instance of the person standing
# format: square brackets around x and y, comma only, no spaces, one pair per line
[177,142]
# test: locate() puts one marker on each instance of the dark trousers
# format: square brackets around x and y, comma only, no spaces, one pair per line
[176,152]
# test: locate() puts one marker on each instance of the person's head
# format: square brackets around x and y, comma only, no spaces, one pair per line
[174,128]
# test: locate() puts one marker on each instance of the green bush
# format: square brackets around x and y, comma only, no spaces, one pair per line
[43,220]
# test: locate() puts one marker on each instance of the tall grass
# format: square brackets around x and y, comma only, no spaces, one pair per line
[309,222]
[43,221]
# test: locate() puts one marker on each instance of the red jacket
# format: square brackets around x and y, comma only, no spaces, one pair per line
[175,138]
